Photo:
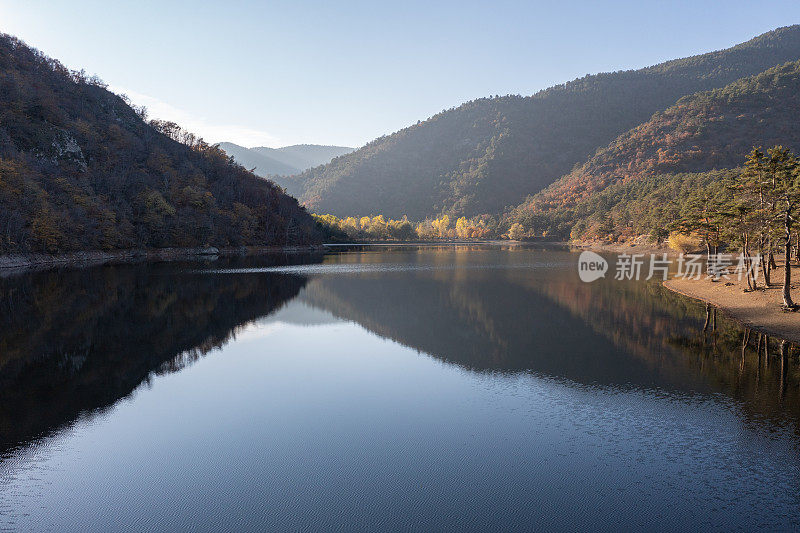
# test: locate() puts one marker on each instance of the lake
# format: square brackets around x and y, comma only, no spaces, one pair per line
[386,388]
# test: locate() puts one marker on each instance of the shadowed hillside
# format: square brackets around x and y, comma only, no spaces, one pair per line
[488,154]
[81,169]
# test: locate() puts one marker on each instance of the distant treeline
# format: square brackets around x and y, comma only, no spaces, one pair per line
[378,227]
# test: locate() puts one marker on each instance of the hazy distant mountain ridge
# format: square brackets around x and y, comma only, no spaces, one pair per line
[305,156]
[260,164]
[488,154]
[283,161]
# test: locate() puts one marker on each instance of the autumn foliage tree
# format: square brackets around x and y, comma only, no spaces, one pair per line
[82,169]
[378,227]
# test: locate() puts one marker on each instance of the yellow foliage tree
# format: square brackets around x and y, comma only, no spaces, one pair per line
[441,225]
[463,228]
[516,231]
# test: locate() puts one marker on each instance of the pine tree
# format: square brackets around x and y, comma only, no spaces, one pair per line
[782,168]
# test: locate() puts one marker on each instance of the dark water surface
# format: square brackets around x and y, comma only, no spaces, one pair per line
[386,388]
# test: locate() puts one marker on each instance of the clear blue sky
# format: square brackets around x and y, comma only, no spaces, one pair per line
[342,72]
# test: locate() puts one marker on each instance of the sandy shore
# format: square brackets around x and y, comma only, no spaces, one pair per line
[628,248]
[759,310]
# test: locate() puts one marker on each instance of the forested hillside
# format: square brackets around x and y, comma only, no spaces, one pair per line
[637,183]
[490,153]
[81,169]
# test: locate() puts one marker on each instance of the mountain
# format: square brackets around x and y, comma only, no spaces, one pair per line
[81,169]
[491,153]
[260,163]
[653,167]
[304,156]
[284,161]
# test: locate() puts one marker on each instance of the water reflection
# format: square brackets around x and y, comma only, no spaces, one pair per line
[504,311]
[77,341]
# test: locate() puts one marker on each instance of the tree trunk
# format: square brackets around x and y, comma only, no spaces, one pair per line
[748,263]
[769,260]
[787,268]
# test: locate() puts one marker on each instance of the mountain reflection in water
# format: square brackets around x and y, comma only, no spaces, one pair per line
[284,392]
[76,341]
[502,312]
[73,342]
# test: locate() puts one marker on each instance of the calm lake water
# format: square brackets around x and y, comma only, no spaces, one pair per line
[386,388]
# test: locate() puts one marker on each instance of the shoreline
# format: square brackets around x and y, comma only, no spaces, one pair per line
[450,242]
[759,310]
[19,263]
[639,248]
[25,262]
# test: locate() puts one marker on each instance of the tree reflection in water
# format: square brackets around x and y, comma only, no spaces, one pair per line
[76,341]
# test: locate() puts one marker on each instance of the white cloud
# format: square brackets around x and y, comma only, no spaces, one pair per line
[212,133]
